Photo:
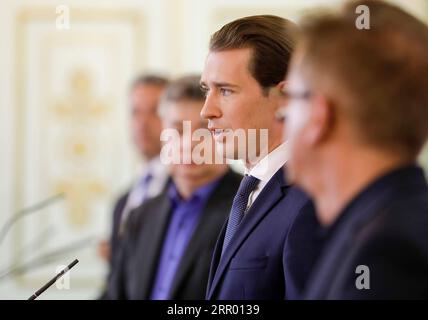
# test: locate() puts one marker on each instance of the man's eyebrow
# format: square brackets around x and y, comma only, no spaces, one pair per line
[225,84]
[219,85]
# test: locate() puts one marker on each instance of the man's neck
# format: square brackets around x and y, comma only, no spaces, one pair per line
[342,180]
[251,163]
[151,158]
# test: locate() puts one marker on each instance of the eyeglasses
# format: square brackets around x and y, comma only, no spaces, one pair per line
[296,95]
[281,113]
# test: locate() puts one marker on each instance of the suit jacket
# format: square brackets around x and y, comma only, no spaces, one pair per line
[117,216]
[252,266]
[140,251]
[114,239]
[385,228]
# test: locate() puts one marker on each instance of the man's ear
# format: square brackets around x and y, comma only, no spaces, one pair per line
[281,86]
[277,91]
[322,118]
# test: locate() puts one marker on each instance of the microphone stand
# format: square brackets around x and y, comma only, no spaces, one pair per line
[49,257]
[23,212]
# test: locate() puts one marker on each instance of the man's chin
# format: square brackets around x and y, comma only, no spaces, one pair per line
[147,152]
[229,152]
[190,171]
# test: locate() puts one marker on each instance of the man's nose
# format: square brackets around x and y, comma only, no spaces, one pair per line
[210,109]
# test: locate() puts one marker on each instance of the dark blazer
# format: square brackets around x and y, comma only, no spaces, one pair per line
[117,216]
[140,251]
[114,239]
[386,229]
[253,266]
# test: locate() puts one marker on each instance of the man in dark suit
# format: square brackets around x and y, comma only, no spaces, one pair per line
[354,139]
[242,78]
[152,176]
[169,240]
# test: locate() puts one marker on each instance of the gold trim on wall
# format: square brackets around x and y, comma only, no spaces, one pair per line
[35,14]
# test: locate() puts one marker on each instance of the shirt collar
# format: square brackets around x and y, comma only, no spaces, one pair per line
[154,166]
[202,193]
[270,164]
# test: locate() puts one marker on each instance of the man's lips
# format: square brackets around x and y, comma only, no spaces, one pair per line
[218,133]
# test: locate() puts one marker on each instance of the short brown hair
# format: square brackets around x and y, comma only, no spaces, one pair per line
[379,76]
[271,39]
[149,79]
[186,88]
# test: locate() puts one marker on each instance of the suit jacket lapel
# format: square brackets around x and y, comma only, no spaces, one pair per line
[326,269]
[332,257]
[270,195]
[152,242]
[216,258]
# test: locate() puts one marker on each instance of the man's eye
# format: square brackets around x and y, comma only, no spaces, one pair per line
[225,92]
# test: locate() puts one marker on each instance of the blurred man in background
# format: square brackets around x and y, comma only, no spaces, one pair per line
[169,240]
[356,121]
[146,128]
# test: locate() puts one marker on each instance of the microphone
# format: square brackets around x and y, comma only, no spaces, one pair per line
[53,280]
[23,212]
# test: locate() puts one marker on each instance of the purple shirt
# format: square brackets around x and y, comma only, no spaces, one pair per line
[183,220]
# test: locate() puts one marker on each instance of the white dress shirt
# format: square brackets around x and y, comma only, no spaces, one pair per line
[266,168]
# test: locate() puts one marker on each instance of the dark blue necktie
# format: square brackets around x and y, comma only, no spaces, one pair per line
[240,202]
[144,184]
